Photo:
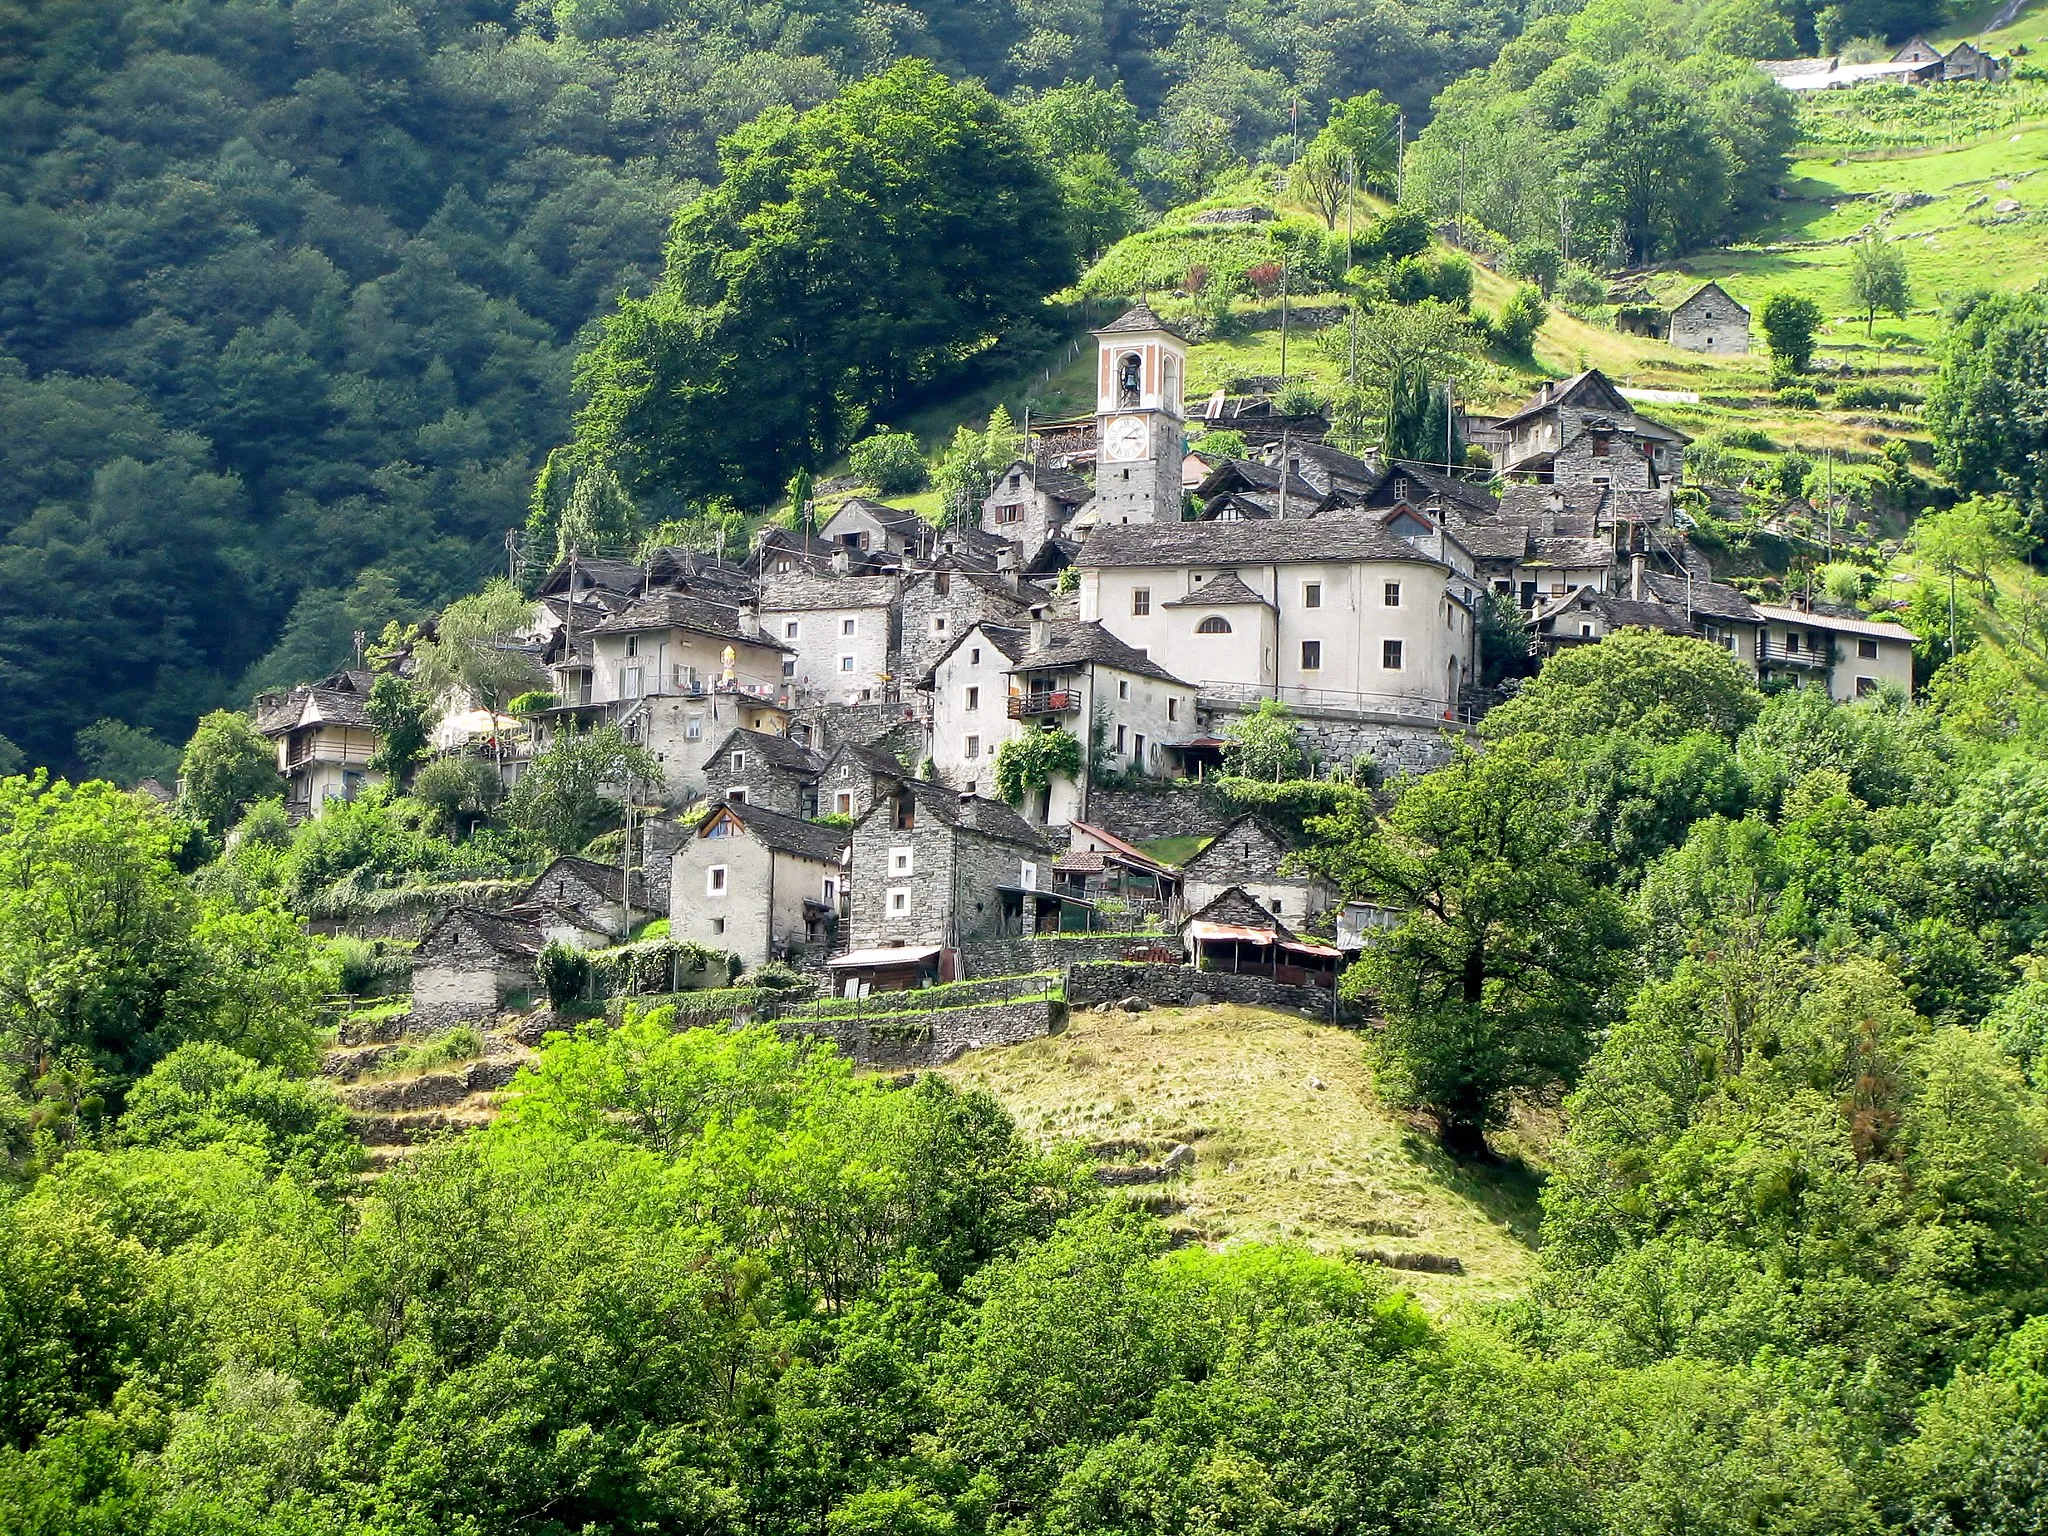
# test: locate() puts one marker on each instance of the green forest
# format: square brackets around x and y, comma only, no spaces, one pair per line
[1770,965]
[297,298]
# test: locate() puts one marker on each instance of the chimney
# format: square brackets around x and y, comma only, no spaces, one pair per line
[842,561]
[1635,578]
[1041,630]
[750,616]
[1006,559]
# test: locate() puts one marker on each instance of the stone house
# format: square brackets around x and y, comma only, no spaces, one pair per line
[1247,855]
[1705,610]
[594,892]
[855,776]
[1100,865]
[941,604]
[841,635]
[1966,61]
[933,868]
[891,535]
[767,769]
[1030,505]
[1237,489]
[1125,710]
[1709,320]
[758,884]
[325,740]
[676,673]
[473,964]
[1358,614]
[1853,657]
[1583,431]
[1233,933]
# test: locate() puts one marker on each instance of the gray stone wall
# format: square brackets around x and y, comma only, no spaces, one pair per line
[1139,815]
[965,605]
[1182,986]
[774,789]
[930,882]
[1024,957]
[862,724]
[1397,748]
[1575,463]
[906,1041]
[1244,852]
[1727,332]
[982,864]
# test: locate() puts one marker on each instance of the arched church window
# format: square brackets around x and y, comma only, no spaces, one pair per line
[1215,624]
[1129,373]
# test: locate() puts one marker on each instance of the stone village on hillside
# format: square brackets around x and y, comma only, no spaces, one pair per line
[1117,590]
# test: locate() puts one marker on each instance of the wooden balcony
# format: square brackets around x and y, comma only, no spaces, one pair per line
[1059,701]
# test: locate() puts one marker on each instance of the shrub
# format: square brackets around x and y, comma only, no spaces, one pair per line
[1520,319]
[1403,232]
[1580,289]
[1033,760]
[889,462]
[455,789]
[1299,397]
[355,964]
[531,703]
[1263,278]
[1879,397]
[1534,262]
[1790,323]
[777,977]
[1797,397]
[564,973]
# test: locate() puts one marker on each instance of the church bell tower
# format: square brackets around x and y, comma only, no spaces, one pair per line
[1140,431]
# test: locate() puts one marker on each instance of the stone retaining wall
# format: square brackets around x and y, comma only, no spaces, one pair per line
[910,1040]
[1139,815]
[1026,957]
[1182,986]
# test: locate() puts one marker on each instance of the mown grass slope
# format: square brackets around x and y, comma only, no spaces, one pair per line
[1277,1157]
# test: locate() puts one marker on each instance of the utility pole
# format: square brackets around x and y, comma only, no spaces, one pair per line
[1400,154]
[1448,419]
[512,555]
[1461,194]
[1286,448]
[626,866]
[1350,204]
[1283,320]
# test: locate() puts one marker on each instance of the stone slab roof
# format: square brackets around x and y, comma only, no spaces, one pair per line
[675,610]
[1076,642]
[1139,317]
[776,750]
[1225,591]
[1281,540]
[787,834]
[810,592]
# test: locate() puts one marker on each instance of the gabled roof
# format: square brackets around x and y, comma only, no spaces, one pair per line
[1250,475]
[1068,489]
[1139,317]
[341,698]
[623,576]
[1010,640]
[1053,556]
[1875,629]
[784,834]
[775,750]
[990,818]
[1709,291]
[1590,391]
[1225,591]
[1569,554]
[1268,541]
[1129,852]
[1246,828]
[1236,907]
[875,759]
[812,592]
[899,520]
[503,936]
[605,879]
[1336,464]
[1502,540]
[675,610]
[1708,597]
[543,913]
[1078,642]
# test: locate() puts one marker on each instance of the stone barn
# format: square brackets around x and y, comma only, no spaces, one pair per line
[1709,321]
[472,964]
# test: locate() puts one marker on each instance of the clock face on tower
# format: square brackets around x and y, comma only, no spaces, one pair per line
[1123,439]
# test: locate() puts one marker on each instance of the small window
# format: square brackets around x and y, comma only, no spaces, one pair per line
[1586,630]
[1119,740]
[1390,655]
[942,583]
[831,890]
[974,655]
[1867,649]
[1215,624]
[1865,686]
[632,645]
[899,900]
[971,747]
[1138,749]
[782,567]
[1311,655]
[846,626]
[739,762]
[714,880]
[974,698]
[1172,710]
[1141,601]
[1602,447]
[1312,594]
[1392,595]
[842,803]
[1791,643]
[737,795]
[1123,688]
[899,861]
[1027,876]
[846,663]
[693,728]
[789,630]
[789,666]
[938,626]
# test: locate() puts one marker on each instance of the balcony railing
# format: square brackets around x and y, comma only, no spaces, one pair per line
[1058,701]
[1775,653]
[314,752]
[1404,706]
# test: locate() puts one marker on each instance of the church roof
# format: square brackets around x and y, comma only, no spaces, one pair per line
[1139,317]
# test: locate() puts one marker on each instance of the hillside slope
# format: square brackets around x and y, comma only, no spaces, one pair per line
[1277,1157]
